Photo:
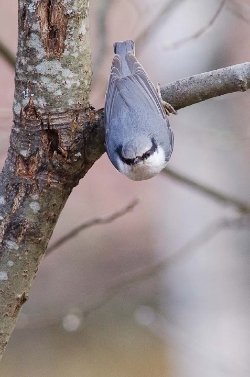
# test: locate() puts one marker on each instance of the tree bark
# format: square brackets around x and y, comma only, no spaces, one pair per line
[51,142]
[198,88]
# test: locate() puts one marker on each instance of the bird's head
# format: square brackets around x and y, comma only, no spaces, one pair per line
[140,159]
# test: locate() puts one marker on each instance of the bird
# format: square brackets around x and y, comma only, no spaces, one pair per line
[138,138]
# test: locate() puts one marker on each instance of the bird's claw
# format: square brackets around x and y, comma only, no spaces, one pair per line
[167,107]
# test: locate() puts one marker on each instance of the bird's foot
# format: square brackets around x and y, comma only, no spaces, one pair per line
[167,107]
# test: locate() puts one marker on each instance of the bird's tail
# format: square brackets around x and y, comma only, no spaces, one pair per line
[121,49]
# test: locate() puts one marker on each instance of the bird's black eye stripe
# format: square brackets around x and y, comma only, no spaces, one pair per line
[151,150]
[147,154]
[128,161]
[131,161]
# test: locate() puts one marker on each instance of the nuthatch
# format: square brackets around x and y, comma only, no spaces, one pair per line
[139,140]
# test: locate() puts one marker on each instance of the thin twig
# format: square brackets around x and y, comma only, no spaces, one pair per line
[88,224]
[212,193]
[102,34]
[197,34]
[156,22]
[240,10]
[7,54]
[145,272]
[126,280]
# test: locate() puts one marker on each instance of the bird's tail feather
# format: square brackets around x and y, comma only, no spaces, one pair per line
[121,49]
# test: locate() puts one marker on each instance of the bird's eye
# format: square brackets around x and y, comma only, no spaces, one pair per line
[146,155]
[151,150]
[128,161]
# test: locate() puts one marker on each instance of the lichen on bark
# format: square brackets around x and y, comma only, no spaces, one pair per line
[52,142]
[53,62]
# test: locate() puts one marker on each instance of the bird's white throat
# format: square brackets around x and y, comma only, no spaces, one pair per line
[145,169]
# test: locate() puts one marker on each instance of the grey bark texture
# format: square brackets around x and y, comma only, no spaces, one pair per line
[197,88]
[51,142]
[57,136]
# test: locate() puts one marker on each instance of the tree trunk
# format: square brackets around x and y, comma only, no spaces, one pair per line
[51,143]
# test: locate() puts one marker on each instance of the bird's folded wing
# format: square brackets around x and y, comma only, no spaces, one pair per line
[111,93]
[146,85]
[135,91]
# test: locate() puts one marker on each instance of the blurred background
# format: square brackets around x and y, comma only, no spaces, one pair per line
[164,290]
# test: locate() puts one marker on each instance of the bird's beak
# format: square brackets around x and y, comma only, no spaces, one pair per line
[137,159]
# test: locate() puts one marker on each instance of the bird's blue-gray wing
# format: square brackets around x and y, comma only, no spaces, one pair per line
[135,91]
[140,78]
[112,90]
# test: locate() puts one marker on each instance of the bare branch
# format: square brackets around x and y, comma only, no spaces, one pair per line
[197,88]
[144,273]
[197,34]
[102,34]
[100,220]
[240,10]
[208,191]
[156,22]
